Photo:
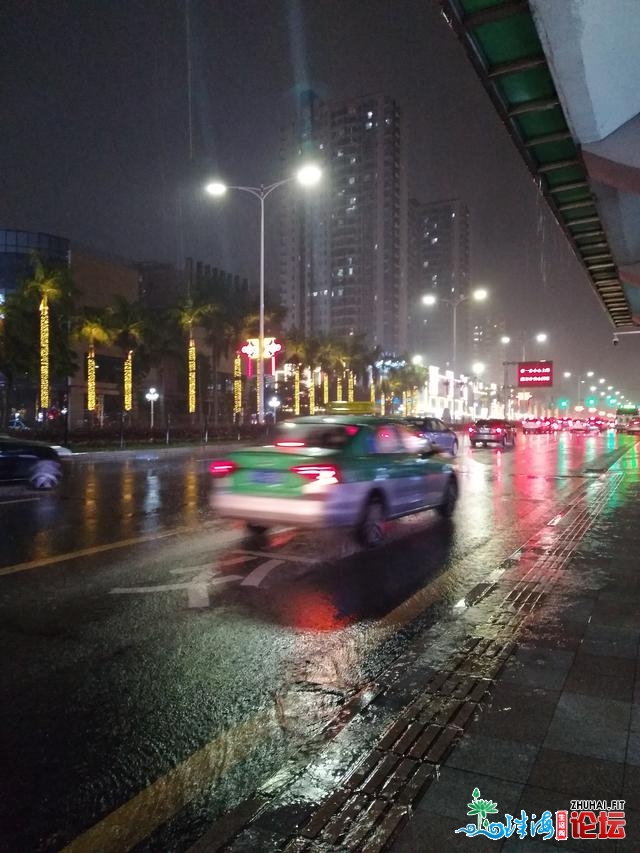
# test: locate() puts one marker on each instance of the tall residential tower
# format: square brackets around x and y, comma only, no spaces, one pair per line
[439,266]
[344,249]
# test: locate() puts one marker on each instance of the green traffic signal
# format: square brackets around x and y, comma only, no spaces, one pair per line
[590,401]
[563,404]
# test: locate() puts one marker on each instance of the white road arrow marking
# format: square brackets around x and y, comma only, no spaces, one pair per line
[259,574]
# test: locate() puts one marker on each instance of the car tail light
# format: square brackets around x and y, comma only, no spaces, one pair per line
[222,468]
[290,444]
[498,430]
[317,473]
[472,429]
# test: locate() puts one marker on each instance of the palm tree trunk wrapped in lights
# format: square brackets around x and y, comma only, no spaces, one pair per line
[237,385]
[91,379]
[296,389]
[44,353]
[372,394]
[350,386]
[192,375]
[312,392]
[325,388]
[128,382]
[339,389]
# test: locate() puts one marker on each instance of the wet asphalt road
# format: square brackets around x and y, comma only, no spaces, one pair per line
[155,658]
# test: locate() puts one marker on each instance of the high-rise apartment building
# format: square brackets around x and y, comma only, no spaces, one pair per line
[438,265]
[344,244]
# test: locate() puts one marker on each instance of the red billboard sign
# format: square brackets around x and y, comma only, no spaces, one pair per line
[532,374]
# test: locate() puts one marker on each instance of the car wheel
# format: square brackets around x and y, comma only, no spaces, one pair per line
[449,499]
[474,444]
[454,448]
[371,530]
[45,475]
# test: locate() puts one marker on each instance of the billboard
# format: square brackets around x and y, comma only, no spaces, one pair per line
[534,374]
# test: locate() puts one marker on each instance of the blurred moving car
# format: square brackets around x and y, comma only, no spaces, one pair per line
[436,431]
[492,431]
[341,471]
[38,463]
[633,427]
[532,425]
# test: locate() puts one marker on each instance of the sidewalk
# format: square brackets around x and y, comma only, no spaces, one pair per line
[154,452]
[529,691]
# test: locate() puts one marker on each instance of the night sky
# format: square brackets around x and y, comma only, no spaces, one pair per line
[96,143]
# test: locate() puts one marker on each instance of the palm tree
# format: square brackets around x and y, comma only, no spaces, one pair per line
[94,329]
[128,326]
[47,286]
[188,316]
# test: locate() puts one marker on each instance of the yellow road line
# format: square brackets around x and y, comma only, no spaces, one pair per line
[137,819]
[89,552]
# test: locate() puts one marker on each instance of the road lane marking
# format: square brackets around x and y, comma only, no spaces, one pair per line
[133,822]
[293,557]
[19,501]
[259,574]
[96,549]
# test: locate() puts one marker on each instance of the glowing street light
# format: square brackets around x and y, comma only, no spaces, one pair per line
[307,175]
[505,339]
[152,396]
[477,295]
[477,368]
[567,374]
[416,360]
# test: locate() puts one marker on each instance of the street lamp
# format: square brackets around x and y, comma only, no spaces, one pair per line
[308,175]
[274,403]
[478,295]
[416,360]
[152,395]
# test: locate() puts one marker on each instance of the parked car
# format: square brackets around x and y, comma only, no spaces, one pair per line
[492,431]
[436,431]
[38,463]
[341,471]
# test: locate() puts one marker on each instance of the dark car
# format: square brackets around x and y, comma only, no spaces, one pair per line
[437,432]
[492,431]
[38,463]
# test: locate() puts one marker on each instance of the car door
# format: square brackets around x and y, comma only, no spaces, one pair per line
[415,470]
[393,468]
[445,437]
[9,460]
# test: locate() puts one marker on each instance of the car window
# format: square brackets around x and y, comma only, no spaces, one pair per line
[410,442]
[387,440]
[326,436]
[439,426]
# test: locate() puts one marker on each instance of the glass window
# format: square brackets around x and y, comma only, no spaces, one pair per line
[387,440]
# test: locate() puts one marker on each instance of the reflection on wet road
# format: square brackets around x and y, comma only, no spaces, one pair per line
[186,669]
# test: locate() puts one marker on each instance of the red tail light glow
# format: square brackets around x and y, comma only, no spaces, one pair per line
[222,468]
[472,429]
[498,430]
[317,473]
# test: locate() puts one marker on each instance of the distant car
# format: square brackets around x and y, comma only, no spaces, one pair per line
[436,431]
[338,471]
[633,427]
[492,431]
[532,425]
[38,463]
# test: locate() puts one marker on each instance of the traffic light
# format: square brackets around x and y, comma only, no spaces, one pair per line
[590,401]
[563,404]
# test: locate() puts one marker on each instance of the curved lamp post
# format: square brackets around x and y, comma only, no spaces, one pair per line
[478,295]
[307,176]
